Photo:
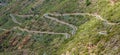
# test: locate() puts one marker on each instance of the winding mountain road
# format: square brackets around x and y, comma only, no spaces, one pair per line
[47,15]
[65,23]
[15,21]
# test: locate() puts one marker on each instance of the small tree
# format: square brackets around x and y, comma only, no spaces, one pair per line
[88,2]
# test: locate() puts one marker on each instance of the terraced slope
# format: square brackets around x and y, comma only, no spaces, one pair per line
[59,27]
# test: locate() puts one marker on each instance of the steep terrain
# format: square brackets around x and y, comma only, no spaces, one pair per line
[59,27]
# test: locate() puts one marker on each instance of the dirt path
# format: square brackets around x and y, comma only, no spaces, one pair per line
[38,2]
[101,18]
[37,32]
[24,15]
[14,19]
[94,15]
[40,32]
[3,29]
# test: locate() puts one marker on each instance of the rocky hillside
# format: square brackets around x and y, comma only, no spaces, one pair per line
[59,27]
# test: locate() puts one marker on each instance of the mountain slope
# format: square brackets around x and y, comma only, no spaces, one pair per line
[40,27]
